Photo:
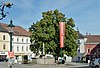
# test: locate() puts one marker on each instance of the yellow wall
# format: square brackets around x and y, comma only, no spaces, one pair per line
[4,42]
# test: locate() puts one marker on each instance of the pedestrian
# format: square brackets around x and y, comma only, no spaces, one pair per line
[56,59]
[84,59]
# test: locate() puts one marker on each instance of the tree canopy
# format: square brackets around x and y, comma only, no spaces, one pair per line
[47,31]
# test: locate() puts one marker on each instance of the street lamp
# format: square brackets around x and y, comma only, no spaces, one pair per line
[11,33]
[43,43]
[2,9]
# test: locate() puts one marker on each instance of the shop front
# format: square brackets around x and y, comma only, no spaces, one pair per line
[3,56]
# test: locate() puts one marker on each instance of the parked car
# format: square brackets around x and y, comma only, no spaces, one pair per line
[95,63]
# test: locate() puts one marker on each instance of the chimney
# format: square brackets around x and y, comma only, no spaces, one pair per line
[89,33]
[86,33]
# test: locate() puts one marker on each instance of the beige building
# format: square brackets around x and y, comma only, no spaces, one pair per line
[20,42]
[4,42]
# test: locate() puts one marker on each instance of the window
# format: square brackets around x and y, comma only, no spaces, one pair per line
[22,48]
[79,50]
[98,50]
[26,40]
[17,39]
[78,58]
[88,50]
[4,47]
[3,37]
[22,39]
[27,48]
[17,48]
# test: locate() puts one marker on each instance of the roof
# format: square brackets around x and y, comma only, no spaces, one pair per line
[92,38]
[17,30]
[2,28]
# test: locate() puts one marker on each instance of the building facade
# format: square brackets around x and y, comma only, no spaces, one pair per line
[4,42]
[20,42]
[81,48]
[92,47]
[21,48]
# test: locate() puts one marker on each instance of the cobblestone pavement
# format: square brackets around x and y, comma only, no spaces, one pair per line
[71,65]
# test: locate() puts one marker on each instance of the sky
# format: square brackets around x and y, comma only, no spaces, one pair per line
[86,13]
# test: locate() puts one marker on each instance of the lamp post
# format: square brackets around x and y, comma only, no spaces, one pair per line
[11,33]
[2,9]
[43,43]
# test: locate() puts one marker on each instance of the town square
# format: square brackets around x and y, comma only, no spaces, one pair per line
[50,33]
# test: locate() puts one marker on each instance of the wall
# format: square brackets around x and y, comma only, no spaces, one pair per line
[45,61]
[82,46]
[4,42]
[80,50]
[89,46]
[21,44]
[21,47]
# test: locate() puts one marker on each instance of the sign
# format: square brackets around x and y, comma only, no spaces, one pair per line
[2,52]
[62,30]
[11,54]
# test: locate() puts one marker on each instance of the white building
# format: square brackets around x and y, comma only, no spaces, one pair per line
[81,48]
[21,47]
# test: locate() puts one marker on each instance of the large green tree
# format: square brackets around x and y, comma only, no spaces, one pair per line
[47,31]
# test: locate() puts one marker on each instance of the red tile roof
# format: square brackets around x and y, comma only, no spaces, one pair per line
[17,30]
[93,38]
